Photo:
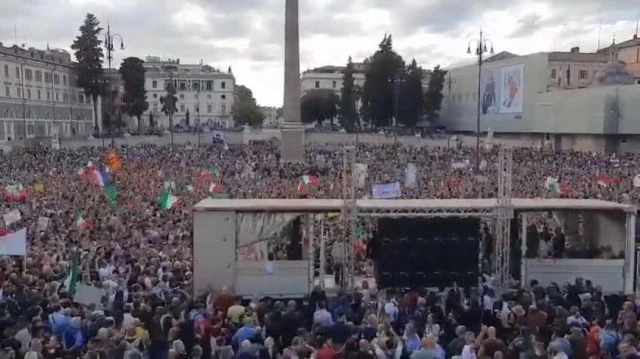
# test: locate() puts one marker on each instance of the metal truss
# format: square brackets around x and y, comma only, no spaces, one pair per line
[349,215]
[504,214]
[489,212]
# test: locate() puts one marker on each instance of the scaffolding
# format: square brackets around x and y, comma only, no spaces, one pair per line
[501,216]
[504,214]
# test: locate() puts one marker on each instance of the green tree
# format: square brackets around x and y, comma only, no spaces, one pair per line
[135,96]
[88,52]
[410,100]
[245,108]
[378,95]
[433,95]
[348,110]
[169,102]
[319,105]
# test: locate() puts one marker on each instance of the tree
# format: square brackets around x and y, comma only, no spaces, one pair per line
[135,96]
[88,52]
[245,108]
[319,105]
[410,99]
[348,110]
[433,95]
[169,102]
[378,95]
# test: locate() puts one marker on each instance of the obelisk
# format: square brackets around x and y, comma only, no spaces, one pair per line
[292,134]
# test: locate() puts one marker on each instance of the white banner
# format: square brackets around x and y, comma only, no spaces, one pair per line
[12,217]
[636,181]
[14,244]
[411,176]
[43,223]
[386,191]
[360,174]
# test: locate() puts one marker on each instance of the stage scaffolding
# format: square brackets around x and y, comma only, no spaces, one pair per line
[500,216]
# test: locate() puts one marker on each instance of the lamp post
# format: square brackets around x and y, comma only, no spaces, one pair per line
[396,100]
[481,47]
[108,44]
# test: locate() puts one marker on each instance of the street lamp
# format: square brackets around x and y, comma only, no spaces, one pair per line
[481,47]
[108,44]
[397,80]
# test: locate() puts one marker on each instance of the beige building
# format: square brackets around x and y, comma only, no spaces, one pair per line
[39,96]
[627,52]
[205,94]
[566,99]
[330,78]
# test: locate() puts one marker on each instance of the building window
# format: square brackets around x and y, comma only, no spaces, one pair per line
[48,96]
[553,73]
[209,96]
[38,75]
[155,95]
[182,96]
[17,72]
[583,74]
[223,96]
[80,98]
[223,109]
[56,79]
[154,84]
[39,94]
[29,94]
[183,86]
[334,84]
[181,108]
[65,97]
[19,90]
[223,85]
[57,96]
[64,80]
[47,77]
[28,74]
[317,84]
[209,85]
[7,91]
[195,86]
[6,71]
[209,108]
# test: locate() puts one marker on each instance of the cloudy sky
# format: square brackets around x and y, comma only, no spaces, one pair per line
[248,34]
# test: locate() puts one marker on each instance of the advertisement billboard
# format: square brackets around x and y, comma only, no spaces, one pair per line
[502,90]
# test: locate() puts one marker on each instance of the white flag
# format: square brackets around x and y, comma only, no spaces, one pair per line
[411,176]
[12,217]
[360,174]
[636,181]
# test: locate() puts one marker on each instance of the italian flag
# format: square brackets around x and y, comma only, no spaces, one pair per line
[216,188]
[71,280]
[553,185]
[310,180]
[168,200]
[82,223]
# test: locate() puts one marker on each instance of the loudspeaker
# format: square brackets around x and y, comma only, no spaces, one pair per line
[431,252]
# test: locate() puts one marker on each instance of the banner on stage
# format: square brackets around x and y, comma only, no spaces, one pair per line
[386,190]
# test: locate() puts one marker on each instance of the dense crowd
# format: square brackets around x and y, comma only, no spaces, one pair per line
[139,253]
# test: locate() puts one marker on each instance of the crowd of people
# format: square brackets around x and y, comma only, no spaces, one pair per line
[138,251]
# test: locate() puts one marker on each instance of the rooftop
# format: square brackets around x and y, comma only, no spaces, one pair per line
[49,56]
[335,205]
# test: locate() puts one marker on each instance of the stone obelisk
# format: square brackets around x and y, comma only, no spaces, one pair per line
[292,135]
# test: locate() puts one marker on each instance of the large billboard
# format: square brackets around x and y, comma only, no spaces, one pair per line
[512,86]
[502,90]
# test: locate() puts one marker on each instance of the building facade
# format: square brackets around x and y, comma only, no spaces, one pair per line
[627,52]
[39,96]
[569,99]
[205,94]
[330,78]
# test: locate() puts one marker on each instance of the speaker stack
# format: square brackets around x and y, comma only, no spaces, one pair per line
[427,252]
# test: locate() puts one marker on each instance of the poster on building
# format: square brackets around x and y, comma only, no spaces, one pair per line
[511,88]
[490,92]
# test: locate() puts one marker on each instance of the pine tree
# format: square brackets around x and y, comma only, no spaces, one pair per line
[88,52]
[348,111]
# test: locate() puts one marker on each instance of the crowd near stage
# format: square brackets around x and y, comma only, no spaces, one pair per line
[423,243]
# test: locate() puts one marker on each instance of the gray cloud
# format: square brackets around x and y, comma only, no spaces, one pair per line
[528,25]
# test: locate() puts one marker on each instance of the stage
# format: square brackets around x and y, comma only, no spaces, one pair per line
[223,225]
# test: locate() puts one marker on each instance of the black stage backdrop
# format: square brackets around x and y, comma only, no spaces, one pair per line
[427,252]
